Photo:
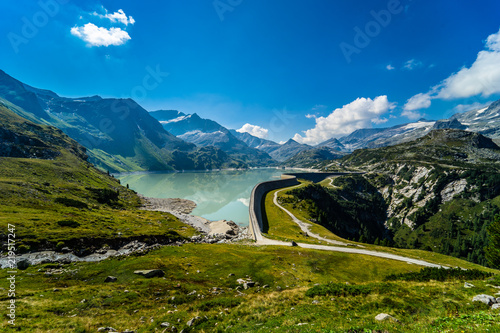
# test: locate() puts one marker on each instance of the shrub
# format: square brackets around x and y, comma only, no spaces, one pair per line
[338,289]
[71,203]
[68,223]
[440,274]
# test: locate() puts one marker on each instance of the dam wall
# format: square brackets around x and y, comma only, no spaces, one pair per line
[255,225]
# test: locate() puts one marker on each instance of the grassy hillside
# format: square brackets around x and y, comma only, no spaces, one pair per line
[54,196]
[284,299]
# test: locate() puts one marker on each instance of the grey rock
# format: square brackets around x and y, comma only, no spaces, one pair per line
[110,279]
[294,244]
[315,302]
[165,324]
[150,273]
[495,306]
[468,285]
[106,329]
[193,321]
[384,317]
[486,299]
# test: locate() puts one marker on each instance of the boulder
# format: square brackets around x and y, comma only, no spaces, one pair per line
[384,317]
[486,299]
[223,227]
[110,279]
[150,273]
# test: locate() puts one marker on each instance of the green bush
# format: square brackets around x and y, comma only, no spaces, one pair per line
[440,274]
[338,289]
[71,203]
[68,223]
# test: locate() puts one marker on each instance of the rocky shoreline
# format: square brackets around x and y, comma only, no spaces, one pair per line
[212,232]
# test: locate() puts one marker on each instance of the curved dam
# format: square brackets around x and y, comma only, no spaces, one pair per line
[255,225]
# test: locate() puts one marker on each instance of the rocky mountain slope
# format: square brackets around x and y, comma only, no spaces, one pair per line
[118,133]
[205,132]
[485,121]
[441,191]
[285,151]
[313,157]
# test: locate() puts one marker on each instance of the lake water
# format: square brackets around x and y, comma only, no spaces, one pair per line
[218,194]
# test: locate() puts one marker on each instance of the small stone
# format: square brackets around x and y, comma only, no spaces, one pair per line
[230,274]
[495,306]
[106,329]
[165,324]
[55,290]
[468,285]
[110,279]
[192,321]
[294,244]
[385,316]
[315,302]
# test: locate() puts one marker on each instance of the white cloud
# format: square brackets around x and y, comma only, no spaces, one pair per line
[412,64]
[118,16]
[254,130]
[390,67]
[417,102]
[481,78]
[412,115]
[99,36]
[309,116]
[358,114]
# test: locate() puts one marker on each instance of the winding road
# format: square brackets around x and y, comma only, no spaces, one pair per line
[261,240]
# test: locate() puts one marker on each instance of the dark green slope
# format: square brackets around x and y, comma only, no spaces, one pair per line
[55,198]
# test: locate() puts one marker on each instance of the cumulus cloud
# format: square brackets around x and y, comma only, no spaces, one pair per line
[118,16]
[254,130]
[482,78]
[361,113]
[99,36]
[418,102]
[309,116]
[390,67]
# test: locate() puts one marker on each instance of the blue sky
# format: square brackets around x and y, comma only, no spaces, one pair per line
[309,70]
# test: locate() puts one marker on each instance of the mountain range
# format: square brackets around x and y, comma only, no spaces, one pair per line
[120,135]
[205,132]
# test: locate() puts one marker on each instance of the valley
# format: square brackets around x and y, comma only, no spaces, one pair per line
[428,198]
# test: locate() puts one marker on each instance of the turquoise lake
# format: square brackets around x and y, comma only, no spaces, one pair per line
[218,194]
